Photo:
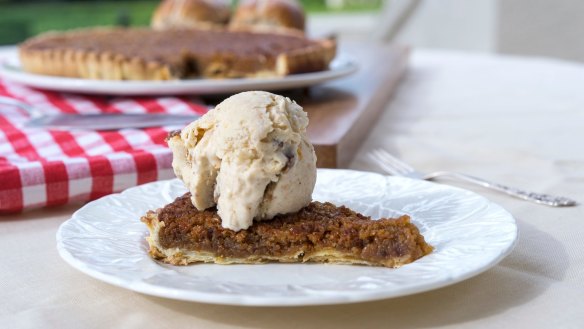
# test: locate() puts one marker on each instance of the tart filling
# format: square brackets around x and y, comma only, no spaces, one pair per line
[321,232]
[144,54]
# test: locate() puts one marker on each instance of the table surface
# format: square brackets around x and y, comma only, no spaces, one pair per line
[514,120]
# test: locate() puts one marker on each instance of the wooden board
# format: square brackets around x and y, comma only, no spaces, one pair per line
[342,112]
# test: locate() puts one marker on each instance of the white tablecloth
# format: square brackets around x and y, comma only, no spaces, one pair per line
[514,120]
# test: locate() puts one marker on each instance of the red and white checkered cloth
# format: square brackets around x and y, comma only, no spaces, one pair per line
[41,167]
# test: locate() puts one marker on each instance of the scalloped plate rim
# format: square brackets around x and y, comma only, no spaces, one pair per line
[242,300]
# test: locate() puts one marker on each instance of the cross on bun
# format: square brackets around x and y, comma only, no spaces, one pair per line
[172,14]
[269,15]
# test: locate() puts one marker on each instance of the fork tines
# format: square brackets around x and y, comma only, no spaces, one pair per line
[389,163]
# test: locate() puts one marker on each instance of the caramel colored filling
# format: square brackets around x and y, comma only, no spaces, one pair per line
[317,227]
[187,53]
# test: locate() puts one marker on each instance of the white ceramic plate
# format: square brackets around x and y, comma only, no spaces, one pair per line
[106,240]
[10,69]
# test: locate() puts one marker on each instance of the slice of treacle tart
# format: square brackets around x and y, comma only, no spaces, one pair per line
[321,232]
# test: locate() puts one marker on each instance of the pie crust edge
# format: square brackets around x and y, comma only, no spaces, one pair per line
[106,65]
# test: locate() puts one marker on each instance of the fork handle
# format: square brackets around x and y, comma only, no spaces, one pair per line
[550,200]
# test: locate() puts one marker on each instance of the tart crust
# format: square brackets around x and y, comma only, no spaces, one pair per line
[144,54]
[320,232]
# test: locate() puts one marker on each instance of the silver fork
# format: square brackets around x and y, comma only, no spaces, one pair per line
[394,166]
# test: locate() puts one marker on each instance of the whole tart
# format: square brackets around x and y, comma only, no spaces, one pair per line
[321,232]
[145,54]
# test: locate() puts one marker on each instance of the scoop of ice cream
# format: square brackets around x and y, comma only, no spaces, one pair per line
[249,156]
